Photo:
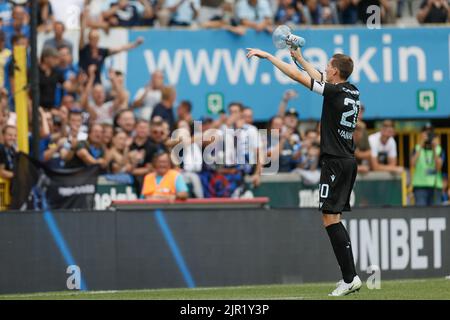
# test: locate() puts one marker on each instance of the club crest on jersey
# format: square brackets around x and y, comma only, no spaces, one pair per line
[333,177]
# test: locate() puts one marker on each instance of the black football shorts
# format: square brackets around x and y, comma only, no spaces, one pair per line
[337,178]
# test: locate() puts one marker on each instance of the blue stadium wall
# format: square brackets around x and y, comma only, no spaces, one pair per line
[200,248]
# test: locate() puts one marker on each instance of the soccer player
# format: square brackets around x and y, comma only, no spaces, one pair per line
[339,116]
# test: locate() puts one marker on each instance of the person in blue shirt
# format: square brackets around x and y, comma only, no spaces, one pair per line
[287,13]
[347,12]
[123,13]
[164,109]
[18,25]
[68,70]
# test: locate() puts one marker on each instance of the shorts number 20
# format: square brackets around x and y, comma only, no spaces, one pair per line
[324,189]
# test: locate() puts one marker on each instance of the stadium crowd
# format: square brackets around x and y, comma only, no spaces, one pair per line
[84,121]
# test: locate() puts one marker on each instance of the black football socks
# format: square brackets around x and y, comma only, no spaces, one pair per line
[342,248]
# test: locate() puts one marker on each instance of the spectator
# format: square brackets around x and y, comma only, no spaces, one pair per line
[164,109]
[290,117]
[122,13]
[66,65]
[308,168]
[58,40]
[287,13]
[149,96]
[150,9]
[68,11]
[329,12]
[347,11]
[92,15]
[255,14]
[50,78]
[119,154]
[74,131]
[108,133]
[363,153]
[53,146]
[224,18]
[18,25]
[434,11]
[141,152]
[384,149]
[241,143]
[8,152]
[5,55]
[118,90]
[45,16]
[189,157]
[69,72]
[311,137]
[157,138]
[183,13]
[100,110]
[184,112]
[313,12]
[247,115]
[89,152]
[427,160]
[126,121]
[68,102]
[92,54]
[165,183]
[281,147]
[74,135]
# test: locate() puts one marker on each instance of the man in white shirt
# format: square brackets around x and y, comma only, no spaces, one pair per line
[148,97]
[184,12]
[255,14]
[384,149]
[68,11]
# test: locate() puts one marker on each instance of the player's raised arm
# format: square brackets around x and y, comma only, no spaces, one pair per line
[288,69]
[309,68]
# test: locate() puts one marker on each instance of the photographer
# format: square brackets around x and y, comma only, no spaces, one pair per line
[427,163]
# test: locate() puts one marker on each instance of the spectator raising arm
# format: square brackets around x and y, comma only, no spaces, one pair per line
[121,99]
[127,47]
[84,100]
[288,95]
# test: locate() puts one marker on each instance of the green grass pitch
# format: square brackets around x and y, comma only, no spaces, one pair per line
[390,290]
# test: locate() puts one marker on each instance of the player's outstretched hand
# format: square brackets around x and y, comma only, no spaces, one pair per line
[257,53]
[296,54]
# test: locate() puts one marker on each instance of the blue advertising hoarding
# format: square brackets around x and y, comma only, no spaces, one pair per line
[401,73]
